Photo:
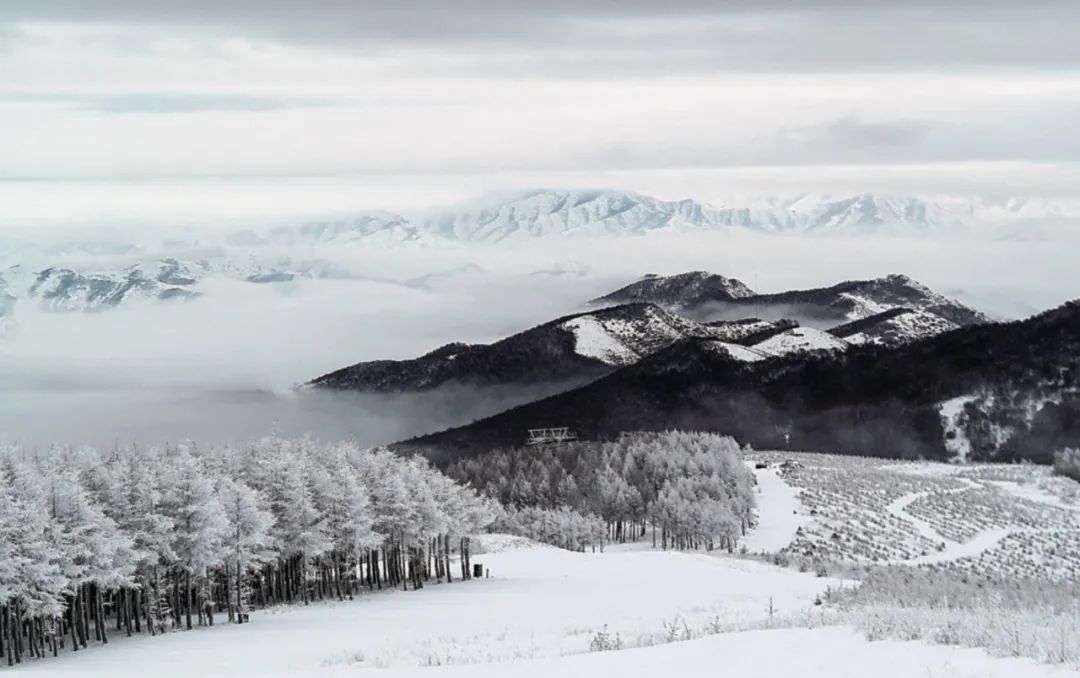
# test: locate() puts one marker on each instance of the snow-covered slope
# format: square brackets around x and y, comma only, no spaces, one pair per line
[709,297]
[856,300]
[738,352]
[800,340]
[620,338]
[892,327]
[574,348]
[543,608]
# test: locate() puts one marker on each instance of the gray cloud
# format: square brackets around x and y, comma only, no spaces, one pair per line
[590,37]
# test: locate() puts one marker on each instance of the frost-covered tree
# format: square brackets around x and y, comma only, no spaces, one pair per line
[248,542]
[692,489]
[149,540]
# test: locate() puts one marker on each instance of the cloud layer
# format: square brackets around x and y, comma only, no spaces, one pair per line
[153,88]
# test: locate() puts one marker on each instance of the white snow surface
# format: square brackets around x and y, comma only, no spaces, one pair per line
[799,339]
[620,339]
[736,351]
[539,602]
[905,327]
[536,617]
[594,340]
[779,513]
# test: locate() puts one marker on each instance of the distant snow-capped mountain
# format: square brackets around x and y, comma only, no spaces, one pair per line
[374,227]
[70,288]
[550,213]
[65,289]
[609,212]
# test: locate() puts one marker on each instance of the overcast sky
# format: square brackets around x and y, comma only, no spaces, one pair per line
[672,97]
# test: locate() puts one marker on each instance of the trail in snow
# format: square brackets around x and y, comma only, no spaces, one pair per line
[977,545]
[1034,494]
[779,514]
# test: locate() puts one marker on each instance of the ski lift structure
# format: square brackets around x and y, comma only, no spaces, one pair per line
[550,436]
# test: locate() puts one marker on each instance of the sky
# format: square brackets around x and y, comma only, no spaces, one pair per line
[416,102]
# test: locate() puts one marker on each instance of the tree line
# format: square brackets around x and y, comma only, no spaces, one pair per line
[151,540]
[1067,463]
[691,490]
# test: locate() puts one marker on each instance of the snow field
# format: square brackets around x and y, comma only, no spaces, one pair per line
[539,602]
[819,653]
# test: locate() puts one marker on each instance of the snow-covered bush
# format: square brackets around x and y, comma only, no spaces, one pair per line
[1067,463]
[1021,618]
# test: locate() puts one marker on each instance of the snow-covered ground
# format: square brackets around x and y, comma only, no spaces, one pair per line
[800,339]
[539,602]
[542,609]
[536,616]
[805,653]
[779,514]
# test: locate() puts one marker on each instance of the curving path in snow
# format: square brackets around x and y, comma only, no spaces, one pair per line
[981,542]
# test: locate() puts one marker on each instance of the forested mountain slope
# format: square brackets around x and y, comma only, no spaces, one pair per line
[1018,381]
[576,347]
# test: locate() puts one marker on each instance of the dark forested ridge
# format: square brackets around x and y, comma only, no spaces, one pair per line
[869,400]
[584,346]
[549,353]
[684,290]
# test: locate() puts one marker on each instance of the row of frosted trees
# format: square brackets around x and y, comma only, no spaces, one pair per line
[691,490]
[147,541]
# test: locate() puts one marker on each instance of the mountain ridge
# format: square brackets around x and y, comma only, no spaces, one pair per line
[870,399]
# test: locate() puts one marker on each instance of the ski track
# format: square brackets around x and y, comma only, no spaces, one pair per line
[981,542]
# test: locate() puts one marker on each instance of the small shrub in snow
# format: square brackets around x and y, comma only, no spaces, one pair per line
[604,641]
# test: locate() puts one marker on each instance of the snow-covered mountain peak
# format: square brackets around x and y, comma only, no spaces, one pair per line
[679,291]
[870,212]
[568,212]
